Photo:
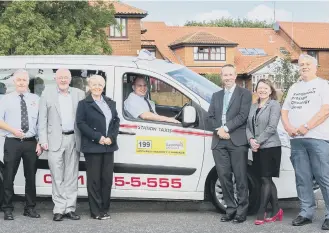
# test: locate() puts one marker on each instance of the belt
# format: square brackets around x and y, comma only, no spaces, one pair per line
[68,132]
[23,139]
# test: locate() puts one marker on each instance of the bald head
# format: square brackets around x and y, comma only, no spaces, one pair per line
[21,80]
[63,79]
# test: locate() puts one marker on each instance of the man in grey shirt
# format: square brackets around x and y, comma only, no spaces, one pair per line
[138,105]
[61,138]
[18,120]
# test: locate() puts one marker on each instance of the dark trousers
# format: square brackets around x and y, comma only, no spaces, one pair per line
[99,181]
[14,151]
[233,159]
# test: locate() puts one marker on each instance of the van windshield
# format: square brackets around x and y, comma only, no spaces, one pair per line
[195,82]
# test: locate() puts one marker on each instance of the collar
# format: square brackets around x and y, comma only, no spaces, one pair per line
[230,90]
[142,97]
[24,94]
[101,100]
[68,91]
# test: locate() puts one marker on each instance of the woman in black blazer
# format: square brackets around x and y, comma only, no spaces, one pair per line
[98,121]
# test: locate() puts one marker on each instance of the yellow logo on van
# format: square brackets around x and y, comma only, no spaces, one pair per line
[160,145]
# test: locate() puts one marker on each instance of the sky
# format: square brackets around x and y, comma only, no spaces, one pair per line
[178,12]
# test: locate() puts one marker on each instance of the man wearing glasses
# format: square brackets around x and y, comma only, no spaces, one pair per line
[138,105]
[59,135]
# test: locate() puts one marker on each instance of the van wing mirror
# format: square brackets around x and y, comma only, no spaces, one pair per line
[188,116]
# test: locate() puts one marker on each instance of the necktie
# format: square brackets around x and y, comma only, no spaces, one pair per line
[148,103]
[24,115]
[226,100]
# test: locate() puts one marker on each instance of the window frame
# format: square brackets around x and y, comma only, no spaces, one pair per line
[209,53]
[113,28]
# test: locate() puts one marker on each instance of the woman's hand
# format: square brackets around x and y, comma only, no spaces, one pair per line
[254,144]
[102,140]
[108,141]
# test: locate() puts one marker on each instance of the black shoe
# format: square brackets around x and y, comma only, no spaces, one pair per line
[227,217]
[72,215]
[99,217]
[31,213]
[300,221]
[8,215]
[325,225]
[106,216]
[239,219]
[58,217]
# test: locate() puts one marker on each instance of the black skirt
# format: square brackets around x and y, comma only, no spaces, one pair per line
[266,162]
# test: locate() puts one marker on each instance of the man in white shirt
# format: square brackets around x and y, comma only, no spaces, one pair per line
[138,105]
[305,117]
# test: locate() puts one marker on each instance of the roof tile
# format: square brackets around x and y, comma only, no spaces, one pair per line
[307,35]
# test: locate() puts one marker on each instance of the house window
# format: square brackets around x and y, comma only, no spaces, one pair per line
[313,54]
[119,29]
[209,53]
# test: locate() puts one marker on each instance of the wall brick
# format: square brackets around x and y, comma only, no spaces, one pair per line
[130,45]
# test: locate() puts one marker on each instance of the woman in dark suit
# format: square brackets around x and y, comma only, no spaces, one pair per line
[98,121]
[265,143]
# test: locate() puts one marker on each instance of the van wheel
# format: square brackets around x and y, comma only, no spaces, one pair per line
[216,194]
[1,184]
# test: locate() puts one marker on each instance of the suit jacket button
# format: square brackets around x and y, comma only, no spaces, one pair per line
[92,140]
[95,128]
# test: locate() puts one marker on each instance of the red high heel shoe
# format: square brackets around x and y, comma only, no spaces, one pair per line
[260,221]
[276,217]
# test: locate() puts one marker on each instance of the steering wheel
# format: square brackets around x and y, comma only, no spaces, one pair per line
[179,115]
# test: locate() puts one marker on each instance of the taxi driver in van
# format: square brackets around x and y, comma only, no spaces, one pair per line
[139,106]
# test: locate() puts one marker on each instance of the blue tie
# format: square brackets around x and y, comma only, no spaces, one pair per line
[226,100]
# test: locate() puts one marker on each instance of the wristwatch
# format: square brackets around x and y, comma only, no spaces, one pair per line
[306,126]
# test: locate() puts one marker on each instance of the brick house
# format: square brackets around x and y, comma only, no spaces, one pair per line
[206,49]
[310,38]
[125,37]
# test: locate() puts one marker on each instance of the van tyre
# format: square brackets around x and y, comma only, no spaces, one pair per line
[216,195]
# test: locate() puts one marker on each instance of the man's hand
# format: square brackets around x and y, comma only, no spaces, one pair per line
[107,141]
[302,130]
[222,134]
[45,146]
[102,140]
[173,120]
[254,145]
[292,131]
[18,133]
[38,150]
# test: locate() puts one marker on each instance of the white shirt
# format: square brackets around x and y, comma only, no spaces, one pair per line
[228,101]
[66,109]
[303,101]
[136,105]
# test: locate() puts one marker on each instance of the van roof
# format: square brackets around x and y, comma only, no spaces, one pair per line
[156,65]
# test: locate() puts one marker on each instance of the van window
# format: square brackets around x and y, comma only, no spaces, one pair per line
[40,79]
[168,100]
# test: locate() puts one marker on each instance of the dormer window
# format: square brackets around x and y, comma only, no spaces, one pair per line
[209,53]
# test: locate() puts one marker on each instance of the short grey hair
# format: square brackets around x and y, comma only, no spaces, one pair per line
[20,71]
[96,77]
[308,57]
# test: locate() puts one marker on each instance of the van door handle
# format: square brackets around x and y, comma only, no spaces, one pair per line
[127,133]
